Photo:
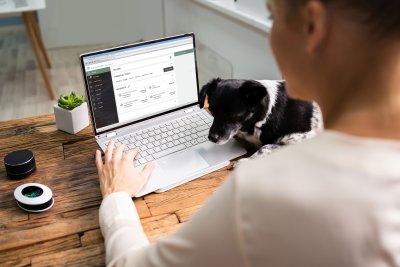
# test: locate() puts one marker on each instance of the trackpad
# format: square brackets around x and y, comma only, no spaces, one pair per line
[181,165]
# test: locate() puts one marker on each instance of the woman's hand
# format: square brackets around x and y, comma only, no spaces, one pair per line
[118,173]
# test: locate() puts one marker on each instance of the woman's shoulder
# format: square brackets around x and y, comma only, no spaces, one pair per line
[330,162]
[330,184]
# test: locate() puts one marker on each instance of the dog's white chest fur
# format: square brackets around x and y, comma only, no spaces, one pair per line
[272,88]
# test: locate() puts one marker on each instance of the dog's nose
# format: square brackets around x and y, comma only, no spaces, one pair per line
[213,137]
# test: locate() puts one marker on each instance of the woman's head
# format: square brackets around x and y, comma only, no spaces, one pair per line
[380,17]
[322,43]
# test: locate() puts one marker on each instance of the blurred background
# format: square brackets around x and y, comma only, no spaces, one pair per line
[231,35]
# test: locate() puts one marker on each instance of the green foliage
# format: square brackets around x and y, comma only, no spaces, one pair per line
[69,102]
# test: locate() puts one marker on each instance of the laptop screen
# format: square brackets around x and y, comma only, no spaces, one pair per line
[132,83]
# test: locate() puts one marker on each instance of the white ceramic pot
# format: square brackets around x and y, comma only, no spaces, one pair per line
[254,7]
[71,121]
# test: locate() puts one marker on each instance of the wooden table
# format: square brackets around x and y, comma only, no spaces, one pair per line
[68,234]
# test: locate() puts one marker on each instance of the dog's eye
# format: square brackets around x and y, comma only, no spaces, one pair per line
[237,116]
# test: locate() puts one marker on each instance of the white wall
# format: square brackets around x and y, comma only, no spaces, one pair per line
[254,7]
[230,48]
[86,22]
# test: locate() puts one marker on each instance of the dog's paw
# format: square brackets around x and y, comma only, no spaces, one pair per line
[265,151]
[261,153]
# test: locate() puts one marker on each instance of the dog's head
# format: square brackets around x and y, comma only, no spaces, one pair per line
[232,103]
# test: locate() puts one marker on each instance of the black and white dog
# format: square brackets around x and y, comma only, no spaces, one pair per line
[259,112]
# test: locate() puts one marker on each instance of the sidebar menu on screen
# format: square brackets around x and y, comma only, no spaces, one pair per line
[102,97]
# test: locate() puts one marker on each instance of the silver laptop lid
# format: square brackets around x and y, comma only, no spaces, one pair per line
[133,83]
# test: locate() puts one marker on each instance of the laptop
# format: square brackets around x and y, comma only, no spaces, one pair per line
[146,96]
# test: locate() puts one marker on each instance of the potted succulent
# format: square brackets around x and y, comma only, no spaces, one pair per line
[71,113]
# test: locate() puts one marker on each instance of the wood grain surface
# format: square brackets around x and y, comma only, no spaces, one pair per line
[68,234]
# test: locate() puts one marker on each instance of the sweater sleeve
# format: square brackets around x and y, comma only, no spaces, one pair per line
[210,238]
[120,226]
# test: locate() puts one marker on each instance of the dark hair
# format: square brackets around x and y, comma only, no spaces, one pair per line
[382,16]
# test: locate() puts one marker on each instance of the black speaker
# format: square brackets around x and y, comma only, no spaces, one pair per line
[19,164]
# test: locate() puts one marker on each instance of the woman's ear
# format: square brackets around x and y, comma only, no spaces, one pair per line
[316,18]
[207,90]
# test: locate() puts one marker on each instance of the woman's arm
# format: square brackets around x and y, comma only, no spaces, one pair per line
[210,238]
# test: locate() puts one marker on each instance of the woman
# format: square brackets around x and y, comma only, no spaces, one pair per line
[330,201]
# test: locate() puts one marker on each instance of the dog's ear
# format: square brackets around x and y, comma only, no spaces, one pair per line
[252,92]
[207,90]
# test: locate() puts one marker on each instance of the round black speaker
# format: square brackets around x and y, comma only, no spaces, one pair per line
[19,164]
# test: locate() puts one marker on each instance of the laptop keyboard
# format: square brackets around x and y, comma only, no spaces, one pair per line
[164,139]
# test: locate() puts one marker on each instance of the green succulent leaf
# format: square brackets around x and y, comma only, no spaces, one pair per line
[69,102]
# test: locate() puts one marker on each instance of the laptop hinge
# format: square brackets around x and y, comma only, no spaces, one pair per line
[111,134]
[189,110]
